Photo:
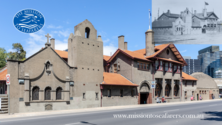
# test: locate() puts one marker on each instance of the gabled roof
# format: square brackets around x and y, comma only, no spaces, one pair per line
[170,15]
[116,79]
[3,74]
[131,54]
[162,47]
[106,58]
[187,77]
[140,54]
[201,16]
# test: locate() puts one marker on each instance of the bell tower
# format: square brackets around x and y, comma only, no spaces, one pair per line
[85,52]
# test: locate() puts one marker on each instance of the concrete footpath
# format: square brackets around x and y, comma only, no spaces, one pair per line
[59,112]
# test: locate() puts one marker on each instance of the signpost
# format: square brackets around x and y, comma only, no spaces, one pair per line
[8,91]
[153,86]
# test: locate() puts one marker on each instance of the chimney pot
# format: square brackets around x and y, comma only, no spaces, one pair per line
[52,41]
[121,42]
[125,45]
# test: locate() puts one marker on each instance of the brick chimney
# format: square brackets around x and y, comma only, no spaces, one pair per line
[121,42]
[52,41]
[149,42]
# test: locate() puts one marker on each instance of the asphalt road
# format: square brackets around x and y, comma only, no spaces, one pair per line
[211,112]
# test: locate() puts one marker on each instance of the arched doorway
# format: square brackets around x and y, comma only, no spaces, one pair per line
[158,90]
[145,97]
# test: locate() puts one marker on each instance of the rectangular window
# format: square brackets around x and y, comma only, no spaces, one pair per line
[175,68]
[192,93]
[166,67]
[170,67]
[147,66]
[178,69]
[161,65]
[115,68]
[109,93]
[185,94]
[156,65]
[138,65]
[185,83]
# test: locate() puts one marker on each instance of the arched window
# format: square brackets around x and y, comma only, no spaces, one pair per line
[59,93]
[158,90]
[35,93]
[176,89]
[167,90]
[87,31]
[48,93]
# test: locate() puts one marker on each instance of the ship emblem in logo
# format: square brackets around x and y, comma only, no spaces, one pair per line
[28,21]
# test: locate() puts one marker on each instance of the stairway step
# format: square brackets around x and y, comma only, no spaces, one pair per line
[3,109]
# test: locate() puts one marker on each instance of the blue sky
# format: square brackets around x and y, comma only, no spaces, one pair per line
[111,19]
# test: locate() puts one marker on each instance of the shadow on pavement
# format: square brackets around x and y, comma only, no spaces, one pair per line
[213,116]
[84,122]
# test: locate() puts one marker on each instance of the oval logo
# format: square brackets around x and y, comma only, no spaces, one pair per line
[29,21]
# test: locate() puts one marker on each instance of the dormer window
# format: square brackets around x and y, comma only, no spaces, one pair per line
[87,31]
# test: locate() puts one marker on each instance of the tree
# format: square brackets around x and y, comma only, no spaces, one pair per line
[3,57]
[18,54]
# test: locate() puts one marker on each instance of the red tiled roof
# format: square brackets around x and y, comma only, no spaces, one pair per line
[106,58]
[116,79]
[187,77]
[63,54]
[3,75]
[131,54]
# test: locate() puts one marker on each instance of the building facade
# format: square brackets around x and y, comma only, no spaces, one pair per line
[210,61]
[193,65]
[186,22]
[82,77]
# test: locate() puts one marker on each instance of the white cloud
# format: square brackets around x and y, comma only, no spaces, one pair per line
[54,27]
[109,50]
[107,40]
[183,51]
[62,33]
